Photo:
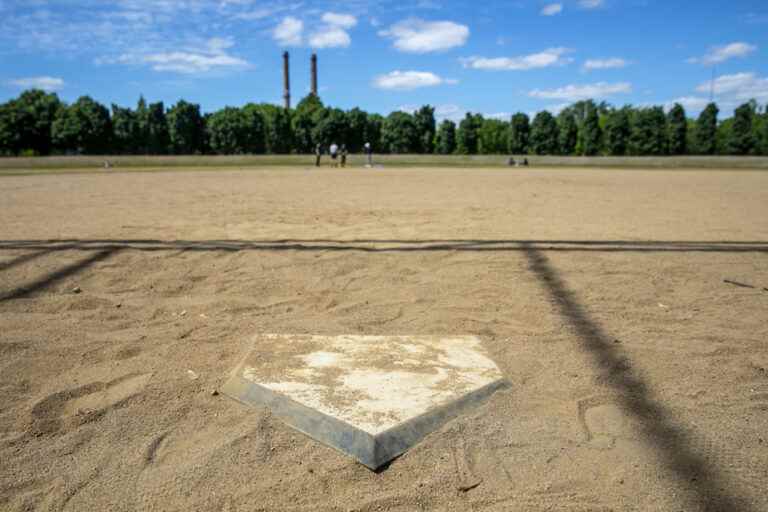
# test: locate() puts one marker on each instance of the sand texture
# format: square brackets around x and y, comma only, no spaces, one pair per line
[638,376]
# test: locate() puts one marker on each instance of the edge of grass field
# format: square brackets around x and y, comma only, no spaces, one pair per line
[86,164]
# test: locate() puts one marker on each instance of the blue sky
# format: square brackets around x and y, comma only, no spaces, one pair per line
[493,57]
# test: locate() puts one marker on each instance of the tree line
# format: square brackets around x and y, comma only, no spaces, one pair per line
[39,123]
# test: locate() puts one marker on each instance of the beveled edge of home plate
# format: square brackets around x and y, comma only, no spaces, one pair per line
[373,451]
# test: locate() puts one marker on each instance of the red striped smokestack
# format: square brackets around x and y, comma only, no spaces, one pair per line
[314,74]
[286,80]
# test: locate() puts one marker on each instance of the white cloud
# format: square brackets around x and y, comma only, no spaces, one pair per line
[289,32]
[740,87]
[552,9]
[211,56]
[545,59]
[46,83]
[591,4]
[408,80]
[333,32]
[339,20]
[418,36]
[330,37]
[582,92]
[612,63]
[718,54]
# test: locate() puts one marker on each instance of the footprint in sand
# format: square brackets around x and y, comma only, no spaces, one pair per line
[84,404]
[603,422]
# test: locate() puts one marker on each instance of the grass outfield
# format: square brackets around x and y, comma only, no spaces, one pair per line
[57,164]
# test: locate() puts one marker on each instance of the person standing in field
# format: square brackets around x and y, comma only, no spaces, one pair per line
[334,150]
[343,155]
[369,154]
[318,154]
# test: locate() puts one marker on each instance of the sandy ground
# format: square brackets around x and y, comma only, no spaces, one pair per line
[639,378]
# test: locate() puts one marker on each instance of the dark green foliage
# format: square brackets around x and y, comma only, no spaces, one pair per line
[493,137]
[399,133]
[677,126]
[125,130]
[741,139]
[544,134]
[278,138]
[185,128]
[229,131]
[36,111]
[446,138]
[83,128]
[10,131]
[331,128]
[255,139]
[568,134]
[425,126]
[468,136]
[38,123]
[373,130]
[153,128]
[307,115]
[705,136]
[617,132]
[648,132]
[358,123]
[519,133]
[590,136]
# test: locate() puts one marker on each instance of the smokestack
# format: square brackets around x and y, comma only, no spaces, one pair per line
[314,74]
[286,81]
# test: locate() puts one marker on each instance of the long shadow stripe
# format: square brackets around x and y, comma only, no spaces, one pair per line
[673,444]
[54,277]
[25,258]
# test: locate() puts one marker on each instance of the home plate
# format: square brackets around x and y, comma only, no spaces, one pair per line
[371,397]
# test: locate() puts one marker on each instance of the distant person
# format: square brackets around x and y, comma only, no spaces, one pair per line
[318,154]
[334,151]
[525,162]
[511,161]
[369,154]
[343,155]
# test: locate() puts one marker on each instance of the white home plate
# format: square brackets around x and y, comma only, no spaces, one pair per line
[371,397]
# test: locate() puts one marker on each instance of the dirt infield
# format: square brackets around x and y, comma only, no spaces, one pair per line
[639,375]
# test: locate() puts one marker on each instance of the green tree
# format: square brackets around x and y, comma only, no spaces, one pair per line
[677,124]
[492,137]
[399,133]
[153,127]
[125,130]
[425,126]
[446,138]
[278,137]
[648,132]
[307,115]
[229,131]
[705,136]
[741,139]
[357,121]
[590,135]
[331,128]
[255,137]
[617,132]
[467,136]
[373,131]
[568,133]
[185,128]
[544,134]
[10,139]
[763,133]
[519,133]
[83,128]
[36,111]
